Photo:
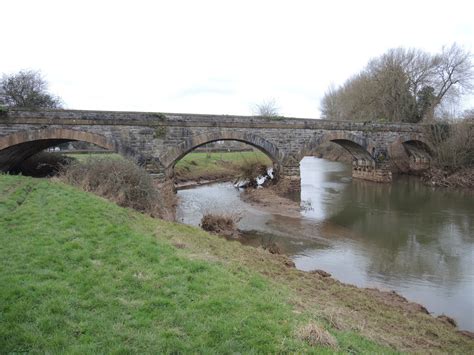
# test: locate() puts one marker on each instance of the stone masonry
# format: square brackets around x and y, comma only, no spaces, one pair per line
[158,140]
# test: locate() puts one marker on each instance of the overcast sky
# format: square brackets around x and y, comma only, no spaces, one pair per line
[215,56]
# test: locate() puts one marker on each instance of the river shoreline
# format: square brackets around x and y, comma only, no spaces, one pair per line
[270,201]
[267,201]
[463,179]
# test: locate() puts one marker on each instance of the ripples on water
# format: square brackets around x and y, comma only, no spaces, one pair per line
[402,236]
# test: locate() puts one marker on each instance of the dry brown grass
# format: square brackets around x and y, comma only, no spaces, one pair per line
[250,170]
[452,144]
[315,335]
[453,154]
[225,224]
[117,180]
[438,177]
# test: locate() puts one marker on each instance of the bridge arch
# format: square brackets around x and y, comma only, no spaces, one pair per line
[172,156]
[16,147]
[418,142]
[411,153]
[357,146]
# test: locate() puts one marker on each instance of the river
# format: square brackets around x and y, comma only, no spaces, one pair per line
[404,236]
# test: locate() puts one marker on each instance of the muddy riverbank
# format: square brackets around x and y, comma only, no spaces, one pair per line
[267,198]
[406,237]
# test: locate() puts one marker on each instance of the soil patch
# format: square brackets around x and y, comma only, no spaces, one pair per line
[224,225]
[268,199]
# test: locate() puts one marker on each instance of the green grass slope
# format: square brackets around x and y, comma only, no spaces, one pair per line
[81,275]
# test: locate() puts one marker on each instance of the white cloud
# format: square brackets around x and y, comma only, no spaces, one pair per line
[214,56]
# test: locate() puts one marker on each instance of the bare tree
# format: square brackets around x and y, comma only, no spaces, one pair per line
[453,76]
[402,85]
[267,108]
[27,89]
[331,105]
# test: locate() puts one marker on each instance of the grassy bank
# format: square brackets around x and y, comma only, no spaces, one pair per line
[216,165]
[197,166]
[82,275]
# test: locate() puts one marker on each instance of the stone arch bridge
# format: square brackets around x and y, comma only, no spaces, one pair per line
[158,140]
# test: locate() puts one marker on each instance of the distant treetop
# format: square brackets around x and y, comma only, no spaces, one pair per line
[27,89]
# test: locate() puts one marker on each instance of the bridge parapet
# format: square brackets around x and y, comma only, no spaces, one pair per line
[154,119]
[158,140]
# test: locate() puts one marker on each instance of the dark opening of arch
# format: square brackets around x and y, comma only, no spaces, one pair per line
[417,148]
[43,157]
[21,145]
[355,149]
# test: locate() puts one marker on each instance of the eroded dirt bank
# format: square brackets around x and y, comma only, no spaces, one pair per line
[382,316]
[270,201]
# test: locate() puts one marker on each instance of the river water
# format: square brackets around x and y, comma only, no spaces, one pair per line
[403,236]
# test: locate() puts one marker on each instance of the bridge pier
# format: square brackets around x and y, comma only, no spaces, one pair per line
[369,170]
[419,164]
[290,178]
[163,180]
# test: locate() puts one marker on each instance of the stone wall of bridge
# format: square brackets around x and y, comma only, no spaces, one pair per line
[157,141]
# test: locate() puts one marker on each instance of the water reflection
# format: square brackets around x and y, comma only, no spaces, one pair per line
[402,236]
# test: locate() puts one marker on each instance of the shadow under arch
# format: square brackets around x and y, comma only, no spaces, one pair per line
[21,145]
[419,154]
[172,156]
[418,146]
[358,147]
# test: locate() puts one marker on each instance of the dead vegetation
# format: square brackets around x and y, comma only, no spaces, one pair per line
[117,180]
[250,170]
[316,335]
[452,146]
[221,224]
[438,177]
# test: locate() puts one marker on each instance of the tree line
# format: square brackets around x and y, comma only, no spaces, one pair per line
[402,85]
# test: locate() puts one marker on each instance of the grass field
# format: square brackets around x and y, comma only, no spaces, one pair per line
[82,275]
[201,165]
[216,165]
[79,274]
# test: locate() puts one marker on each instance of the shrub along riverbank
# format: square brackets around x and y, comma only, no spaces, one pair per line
[80,274]
[452,162]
